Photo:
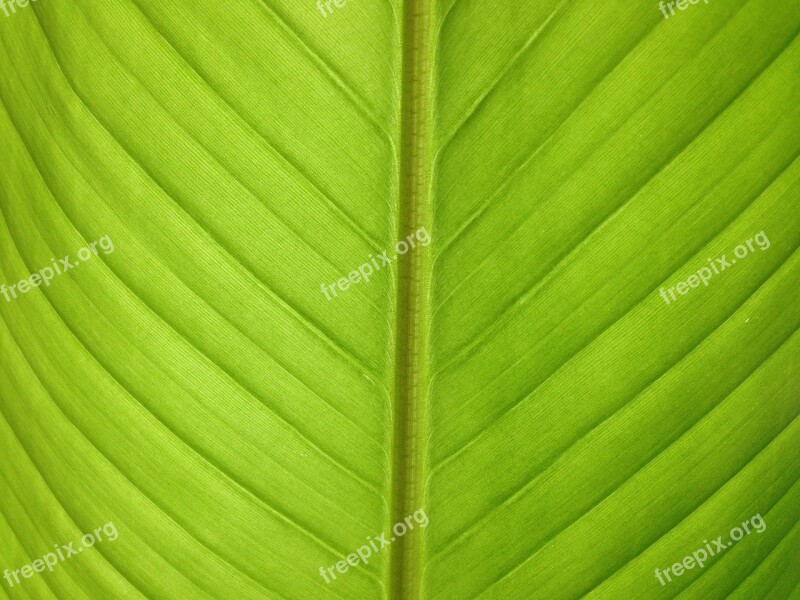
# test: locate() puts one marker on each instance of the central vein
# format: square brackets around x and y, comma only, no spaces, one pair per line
[410,413]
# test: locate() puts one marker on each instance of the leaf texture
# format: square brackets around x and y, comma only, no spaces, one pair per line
[567,429]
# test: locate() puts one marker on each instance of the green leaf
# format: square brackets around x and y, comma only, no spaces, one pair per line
[585,374]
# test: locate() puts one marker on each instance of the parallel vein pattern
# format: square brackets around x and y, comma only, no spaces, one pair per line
[583,431]
[218,385]
[194,386]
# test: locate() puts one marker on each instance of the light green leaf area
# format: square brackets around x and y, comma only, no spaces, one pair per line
[550,379]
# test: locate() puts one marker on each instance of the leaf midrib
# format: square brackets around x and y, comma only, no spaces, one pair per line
[411,358]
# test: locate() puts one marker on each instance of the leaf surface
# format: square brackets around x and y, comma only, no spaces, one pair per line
[210,386]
